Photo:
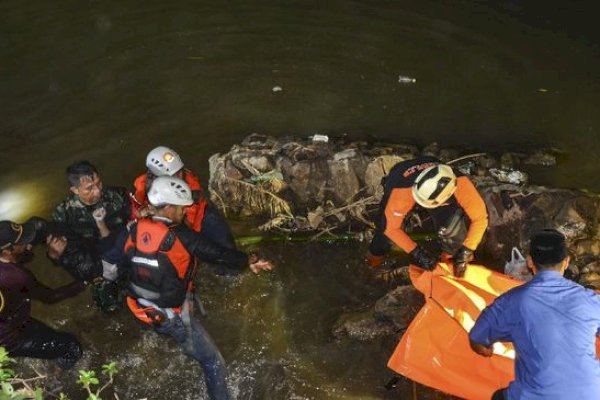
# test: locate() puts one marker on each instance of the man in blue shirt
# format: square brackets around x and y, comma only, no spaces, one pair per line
[552,322]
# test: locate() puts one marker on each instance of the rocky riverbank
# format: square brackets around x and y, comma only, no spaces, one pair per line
[327,186]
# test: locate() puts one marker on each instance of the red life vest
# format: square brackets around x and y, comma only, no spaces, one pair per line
[161,268]
[194,214]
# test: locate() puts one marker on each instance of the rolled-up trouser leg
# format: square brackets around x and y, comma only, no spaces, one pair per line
[40,341]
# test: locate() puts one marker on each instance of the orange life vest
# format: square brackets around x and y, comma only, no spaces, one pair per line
[194,214]
[161,268]
[148,315]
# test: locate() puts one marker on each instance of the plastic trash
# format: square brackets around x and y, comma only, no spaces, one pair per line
[467,168]
[517,266]
[277,89]
[319,138]
[406,79]
[506,175]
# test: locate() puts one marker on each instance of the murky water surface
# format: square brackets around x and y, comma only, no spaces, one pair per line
[108,81]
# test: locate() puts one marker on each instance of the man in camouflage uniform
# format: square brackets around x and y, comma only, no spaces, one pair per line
[90,218]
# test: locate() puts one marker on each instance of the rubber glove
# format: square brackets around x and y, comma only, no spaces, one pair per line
[460,259]
[423,258]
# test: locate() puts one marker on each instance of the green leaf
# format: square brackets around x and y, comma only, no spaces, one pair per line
[4,357]
[87,378]
[6,374]
[63,396]
[110,368]
[7,388]
[93,397]
[39,394]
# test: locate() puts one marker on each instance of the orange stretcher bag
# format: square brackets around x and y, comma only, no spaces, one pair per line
[435,349]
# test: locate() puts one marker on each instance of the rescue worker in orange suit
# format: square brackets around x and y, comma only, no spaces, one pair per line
[201,216]
[451,201]
[161,251]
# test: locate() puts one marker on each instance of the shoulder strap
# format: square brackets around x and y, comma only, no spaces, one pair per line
[168,241]
[133,231]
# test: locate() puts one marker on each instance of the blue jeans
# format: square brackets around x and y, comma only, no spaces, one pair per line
[197,343]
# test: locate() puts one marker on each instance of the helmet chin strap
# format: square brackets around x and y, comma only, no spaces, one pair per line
[162,219]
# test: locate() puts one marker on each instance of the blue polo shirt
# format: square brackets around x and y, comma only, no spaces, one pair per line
[553,323]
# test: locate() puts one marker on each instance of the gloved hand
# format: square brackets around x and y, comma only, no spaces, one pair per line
[423,258]
[460,259]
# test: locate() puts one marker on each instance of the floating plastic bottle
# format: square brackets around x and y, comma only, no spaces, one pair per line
[319,138]
[406,79]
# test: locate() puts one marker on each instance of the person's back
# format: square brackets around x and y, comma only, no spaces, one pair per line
[554,323]
[160,253]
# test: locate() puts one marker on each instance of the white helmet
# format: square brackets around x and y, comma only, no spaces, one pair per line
[169,190]
[434,186]
[163,161]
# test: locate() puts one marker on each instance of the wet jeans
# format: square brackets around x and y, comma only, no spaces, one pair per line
[197,343]
[37,340]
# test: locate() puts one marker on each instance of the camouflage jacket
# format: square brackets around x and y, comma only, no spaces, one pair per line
[82,255]
[78,219]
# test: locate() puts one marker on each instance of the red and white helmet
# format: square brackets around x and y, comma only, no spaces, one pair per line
[163,161]
[434,186]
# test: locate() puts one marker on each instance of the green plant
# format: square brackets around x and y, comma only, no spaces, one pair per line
[87,379]
[15,388]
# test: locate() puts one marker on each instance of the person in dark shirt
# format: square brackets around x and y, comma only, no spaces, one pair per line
[161,253]
[21,334]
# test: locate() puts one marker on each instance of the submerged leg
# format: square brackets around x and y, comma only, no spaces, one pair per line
[197,343]
[40,341]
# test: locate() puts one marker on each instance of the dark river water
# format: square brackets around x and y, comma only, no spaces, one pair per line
[107,81]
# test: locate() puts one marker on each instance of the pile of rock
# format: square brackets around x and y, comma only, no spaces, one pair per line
[305,185]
